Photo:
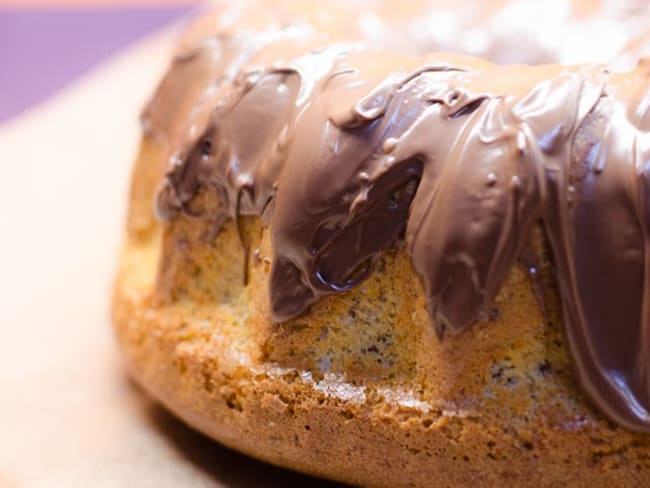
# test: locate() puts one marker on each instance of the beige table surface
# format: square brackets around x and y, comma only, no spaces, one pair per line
[68,415]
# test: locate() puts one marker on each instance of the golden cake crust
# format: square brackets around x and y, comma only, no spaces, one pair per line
[359,389]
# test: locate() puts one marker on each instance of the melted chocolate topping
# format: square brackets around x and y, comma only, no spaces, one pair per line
[345,149]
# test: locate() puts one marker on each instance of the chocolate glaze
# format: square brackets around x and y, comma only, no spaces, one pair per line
[345,150]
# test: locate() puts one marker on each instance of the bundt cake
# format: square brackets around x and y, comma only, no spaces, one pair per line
[354,253]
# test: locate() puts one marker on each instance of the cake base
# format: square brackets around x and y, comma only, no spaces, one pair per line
[359,389]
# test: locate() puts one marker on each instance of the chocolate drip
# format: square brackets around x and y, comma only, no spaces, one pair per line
[345,150]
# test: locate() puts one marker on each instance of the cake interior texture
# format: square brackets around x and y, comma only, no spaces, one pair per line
[359,386]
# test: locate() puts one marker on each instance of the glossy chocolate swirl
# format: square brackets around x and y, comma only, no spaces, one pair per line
[344,150]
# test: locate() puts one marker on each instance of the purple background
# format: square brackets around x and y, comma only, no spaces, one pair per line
[43,49]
